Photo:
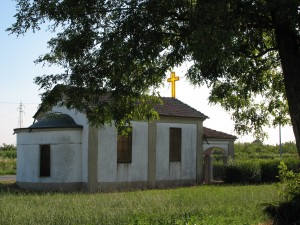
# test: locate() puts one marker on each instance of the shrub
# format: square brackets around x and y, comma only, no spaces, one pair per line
[6,147]
[269,170]
[8,151]
[292,164]
[287,210]
[257,170]
[284,213]
[233,174]
[247,172]
[9,154]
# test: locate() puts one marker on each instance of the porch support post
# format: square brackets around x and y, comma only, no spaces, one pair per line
[199,153]
[92,159]
[152,133]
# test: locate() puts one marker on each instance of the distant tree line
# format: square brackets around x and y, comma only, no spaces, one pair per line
[262,151]
[6,147]
[8,151]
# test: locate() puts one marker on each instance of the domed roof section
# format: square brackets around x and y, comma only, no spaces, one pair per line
[55,120]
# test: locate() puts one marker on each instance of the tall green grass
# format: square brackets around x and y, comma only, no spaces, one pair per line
[8,155]
[205,205]
[7,166]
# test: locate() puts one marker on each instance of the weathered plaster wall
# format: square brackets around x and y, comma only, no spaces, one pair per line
[111,171]
[218,143]
[186,169]
[80,119]
[65,156]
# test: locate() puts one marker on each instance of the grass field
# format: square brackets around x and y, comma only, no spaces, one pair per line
[192,205]
[7,166]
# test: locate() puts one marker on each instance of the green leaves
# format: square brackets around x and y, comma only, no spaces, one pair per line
[124,48]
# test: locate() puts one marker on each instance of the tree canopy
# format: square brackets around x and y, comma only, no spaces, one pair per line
[246,51]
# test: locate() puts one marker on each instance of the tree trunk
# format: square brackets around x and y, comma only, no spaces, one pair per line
[289,53]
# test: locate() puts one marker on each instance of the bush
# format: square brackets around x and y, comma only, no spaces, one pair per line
[9,154]
[8,151]
[287,210]
[284,213]
[292,164]
[6,147]
[269,170]
[246,172]
[257,171]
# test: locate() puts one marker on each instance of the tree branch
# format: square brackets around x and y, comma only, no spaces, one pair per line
[261,53]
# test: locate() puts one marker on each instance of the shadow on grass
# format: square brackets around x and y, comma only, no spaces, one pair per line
[10,187]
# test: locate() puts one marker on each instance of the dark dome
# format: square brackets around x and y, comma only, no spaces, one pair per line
[56,120]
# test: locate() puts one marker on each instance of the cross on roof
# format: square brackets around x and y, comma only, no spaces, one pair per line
[173,79]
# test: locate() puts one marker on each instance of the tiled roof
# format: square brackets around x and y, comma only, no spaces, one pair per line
[174,107]
[210,133]
[169,107]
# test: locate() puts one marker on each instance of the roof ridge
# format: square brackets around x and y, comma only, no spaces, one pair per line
[176,107]
[211,133]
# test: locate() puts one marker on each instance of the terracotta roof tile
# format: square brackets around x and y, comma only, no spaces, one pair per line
[169,107]
[174,107]
[210,133]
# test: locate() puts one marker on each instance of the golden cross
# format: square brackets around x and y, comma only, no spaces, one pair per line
[173,79]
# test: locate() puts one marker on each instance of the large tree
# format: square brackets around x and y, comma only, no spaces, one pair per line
[246,51]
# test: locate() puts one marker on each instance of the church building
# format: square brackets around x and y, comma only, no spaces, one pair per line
[62,151]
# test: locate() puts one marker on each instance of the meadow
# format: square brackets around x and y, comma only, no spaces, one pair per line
[201,205]
[8,159]
[205,205]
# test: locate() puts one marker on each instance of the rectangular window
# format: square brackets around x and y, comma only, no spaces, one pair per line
[124,147]
[175,145]
[45,161]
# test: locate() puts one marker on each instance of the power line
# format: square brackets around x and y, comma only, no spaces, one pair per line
[6,114]
[17,103]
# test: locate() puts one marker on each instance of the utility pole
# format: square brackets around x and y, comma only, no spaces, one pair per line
[21,111]
[280,145]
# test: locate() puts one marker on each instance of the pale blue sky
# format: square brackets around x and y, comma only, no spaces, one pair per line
[17,71]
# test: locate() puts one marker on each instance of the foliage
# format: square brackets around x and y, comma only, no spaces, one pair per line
[7,166]
[289,182]
[286,211]
[8,155]
[258,163]
[124,49]
[260,151]
[243,172]
[257,170]
[201,205]
[6,147]
[269,170]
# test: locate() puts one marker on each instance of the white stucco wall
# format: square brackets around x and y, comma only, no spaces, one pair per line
[186,169]
[111,171]
[224,145]
[80,119]
[65,155]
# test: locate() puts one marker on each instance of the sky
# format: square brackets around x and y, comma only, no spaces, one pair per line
[18,70]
